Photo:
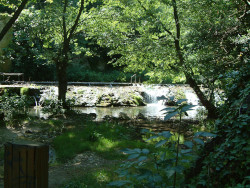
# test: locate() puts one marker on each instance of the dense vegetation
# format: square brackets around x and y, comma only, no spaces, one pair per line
[198,42]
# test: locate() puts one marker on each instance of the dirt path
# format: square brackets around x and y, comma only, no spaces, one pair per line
[77,167]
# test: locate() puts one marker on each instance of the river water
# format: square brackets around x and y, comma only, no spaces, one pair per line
[151,95]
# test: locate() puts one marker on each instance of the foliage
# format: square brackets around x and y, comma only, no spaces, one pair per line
[54,106]
[175,37]
[226,164]
[81,74]
[24,91]
[14,108]
[163,167]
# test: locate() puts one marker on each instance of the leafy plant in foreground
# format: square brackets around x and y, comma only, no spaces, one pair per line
[165,167]
[14,107]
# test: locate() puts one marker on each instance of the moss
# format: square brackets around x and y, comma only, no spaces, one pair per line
[180,94]
[137,100]
[12,90]
[24,91]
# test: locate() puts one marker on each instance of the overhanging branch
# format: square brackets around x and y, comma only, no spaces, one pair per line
[13,19]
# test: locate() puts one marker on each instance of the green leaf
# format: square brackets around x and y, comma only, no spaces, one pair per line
[189,144]
[168,109]
[186,150]
[167,117]
[152,137]
[145,131]
[142,158]
[187,108]
[198,141]
[166,134]
[181,101]
[204,134]
[160,143]
[145,151]
[171,98]
[119,183]
[133,156]
[131,151]
[170,173]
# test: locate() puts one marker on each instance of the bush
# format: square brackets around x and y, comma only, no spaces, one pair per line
[24,91]
[14,107]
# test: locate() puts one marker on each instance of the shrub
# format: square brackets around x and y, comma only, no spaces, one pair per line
[24,91]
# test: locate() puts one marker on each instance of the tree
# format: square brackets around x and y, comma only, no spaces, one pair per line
[62,57]
[13,19]
[55,26]
[148,35]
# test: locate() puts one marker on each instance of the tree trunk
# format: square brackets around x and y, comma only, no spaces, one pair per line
[61,67]
[62,58]
[212,111]
[190,80]
[13,19]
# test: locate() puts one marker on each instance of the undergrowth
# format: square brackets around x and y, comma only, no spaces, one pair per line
[105,138]
[95,178]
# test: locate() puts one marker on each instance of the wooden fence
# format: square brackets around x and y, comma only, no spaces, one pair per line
[26,165]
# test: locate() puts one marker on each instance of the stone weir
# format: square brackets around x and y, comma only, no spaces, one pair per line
[103,94]
[50,83]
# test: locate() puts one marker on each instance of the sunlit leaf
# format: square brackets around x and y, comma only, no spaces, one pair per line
[168,116]
[170,173]
[187,108]
[160,143]
[168,109]
[152,137]
[181,101]
[166,134]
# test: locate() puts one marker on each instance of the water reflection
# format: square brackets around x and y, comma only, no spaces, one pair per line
[149,111]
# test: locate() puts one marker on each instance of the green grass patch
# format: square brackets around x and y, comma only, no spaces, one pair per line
[106,139]
[94,178]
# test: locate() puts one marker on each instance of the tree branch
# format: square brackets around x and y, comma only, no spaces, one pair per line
[64,21]
[177,23]
[13,19]
[72,30]
[152,15]
[247,3]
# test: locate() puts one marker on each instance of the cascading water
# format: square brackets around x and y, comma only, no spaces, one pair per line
[154,95]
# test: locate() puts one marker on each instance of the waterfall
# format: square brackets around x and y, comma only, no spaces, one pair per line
[152,95]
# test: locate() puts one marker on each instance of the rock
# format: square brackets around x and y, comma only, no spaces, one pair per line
[141,116]
[28,132]
[123,116]
[170,103]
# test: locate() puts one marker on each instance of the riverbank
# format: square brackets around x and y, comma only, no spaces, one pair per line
[84,162]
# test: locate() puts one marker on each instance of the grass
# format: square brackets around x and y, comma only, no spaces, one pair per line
[94,178]
[105,139]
